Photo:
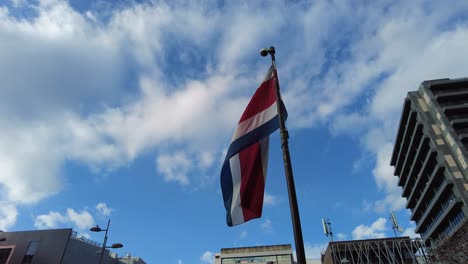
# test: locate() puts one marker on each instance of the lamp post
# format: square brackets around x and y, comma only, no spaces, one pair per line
[115,245]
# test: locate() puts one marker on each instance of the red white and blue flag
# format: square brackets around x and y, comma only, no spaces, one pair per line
[244,168]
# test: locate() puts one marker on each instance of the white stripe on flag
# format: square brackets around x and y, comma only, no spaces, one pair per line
[237,216]
[255,121]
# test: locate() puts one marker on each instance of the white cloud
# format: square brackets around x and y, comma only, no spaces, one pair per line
[375,230]
[409,231]
[366,206]
[18,3]
[392,201]
[442,48]
[86,113]
[174,167]
[103,209]
[341,236]
[243,235]
[386,181]
[269,199]
[179,261]
[383,172]
[80,220]
[349,123]
[50,220]
[315,251]
[382,67]
[76,122]
[206,159]
[267,226]
[28,174]
[8,214]
[207,257]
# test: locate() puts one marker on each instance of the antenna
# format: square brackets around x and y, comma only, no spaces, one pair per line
[327,228]
[395,225]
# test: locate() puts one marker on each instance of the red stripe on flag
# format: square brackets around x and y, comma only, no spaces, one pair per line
[252,181]
[263,98]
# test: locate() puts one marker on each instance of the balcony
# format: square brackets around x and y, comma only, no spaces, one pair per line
[415,141]
[428,163]
[427,198]
[420,188]
[435,210]
[447,208]
[452,98]
[410,125]
[416,166]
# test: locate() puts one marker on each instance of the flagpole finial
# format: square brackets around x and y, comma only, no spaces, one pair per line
[264,52]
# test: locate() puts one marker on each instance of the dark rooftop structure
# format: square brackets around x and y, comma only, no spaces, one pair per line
[399,250]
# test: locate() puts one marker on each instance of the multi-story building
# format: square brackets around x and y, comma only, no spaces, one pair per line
[430,156]
[277,254]
[53,246]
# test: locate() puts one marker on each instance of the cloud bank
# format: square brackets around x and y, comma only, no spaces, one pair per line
[102,90]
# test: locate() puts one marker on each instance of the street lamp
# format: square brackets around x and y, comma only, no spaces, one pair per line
[115,245]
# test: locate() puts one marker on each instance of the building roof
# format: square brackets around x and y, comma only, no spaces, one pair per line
[255,249]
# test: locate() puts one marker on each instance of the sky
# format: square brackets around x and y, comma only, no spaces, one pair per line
[124,110]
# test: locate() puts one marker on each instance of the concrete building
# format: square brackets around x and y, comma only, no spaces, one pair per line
[50,247]
[430,156]
[399,250]
[277,254]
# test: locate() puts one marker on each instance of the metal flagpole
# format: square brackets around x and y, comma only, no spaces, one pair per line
[296,221]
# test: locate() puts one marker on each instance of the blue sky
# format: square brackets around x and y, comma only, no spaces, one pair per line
[125,110]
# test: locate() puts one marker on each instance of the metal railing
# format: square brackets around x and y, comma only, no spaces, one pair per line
[74,235]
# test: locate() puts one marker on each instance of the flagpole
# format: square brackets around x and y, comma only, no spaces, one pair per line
[296,220]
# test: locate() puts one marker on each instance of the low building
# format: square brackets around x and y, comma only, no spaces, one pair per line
[398,250]
[51,246]
[277,254]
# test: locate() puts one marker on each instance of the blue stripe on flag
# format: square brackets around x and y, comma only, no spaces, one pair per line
[236,146]
[252,137]
[227,187]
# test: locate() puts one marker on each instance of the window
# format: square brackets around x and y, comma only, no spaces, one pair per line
[32,249]
[5,253]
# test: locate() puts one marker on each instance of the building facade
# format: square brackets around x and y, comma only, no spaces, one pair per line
[277,254]
[53,246]
[47,246]
[430,156]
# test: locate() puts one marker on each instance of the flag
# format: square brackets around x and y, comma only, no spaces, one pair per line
[244,168]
